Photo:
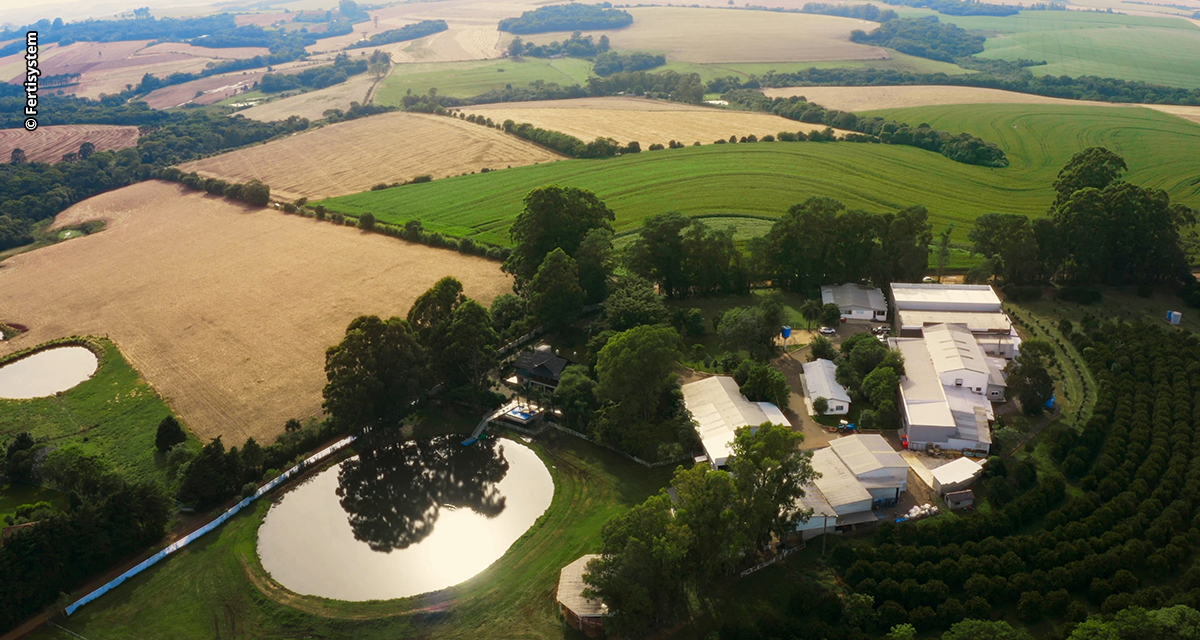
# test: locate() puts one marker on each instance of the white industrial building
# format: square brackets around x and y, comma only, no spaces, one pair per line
[956,475]
[947,389]
[974,307]
[719,410]
[857,301]
[820,381]
[858,473]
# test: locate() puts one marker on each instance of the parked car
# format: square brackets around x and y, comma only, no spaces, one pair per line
[828,331]
[928,279]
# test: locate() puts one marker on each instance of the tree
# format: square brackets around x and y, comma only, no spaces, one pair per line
[18,157]
[508,311]
[1094,167]
[633,303]
[554,218]
[555,293]
[657,253]
[902,632]
[1029,377]
[366,221]
[641,574]
[811,311]
[20,458]
[375,375]
[707,504]
[902,254]
[822,349]
[516,47]
[576,396]
[636,368]
[208,480]
[1009,243]
[766,383]
[943,253]
[256,193]
[771,471]
[86,150]
[595,261]
[831,315]
[170,433]
[471,349]
[880,385]
[984,630]
[821,405]
[752,328]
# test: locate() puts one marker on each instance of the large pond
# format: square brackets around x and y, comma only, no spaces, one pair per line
[45,373]
[403,519]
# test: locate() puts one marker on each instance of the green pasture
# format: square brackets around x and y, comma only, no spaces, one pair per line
[764,179]
[205,591]
[466,79]
[114,415]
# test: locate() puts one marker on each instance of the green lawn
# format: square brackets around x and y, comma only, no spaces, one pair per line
[466,79]
[114,414]
[206,591]
[764,179]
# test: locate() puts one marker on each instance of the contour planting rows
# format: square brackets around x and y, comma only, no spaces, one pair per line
[354,156]
[767,178]
[225,309]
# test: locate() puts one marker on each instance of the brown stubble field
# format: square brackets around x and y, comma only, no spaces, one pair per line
[226,310]
[349,157]
[48,144]
[646,121]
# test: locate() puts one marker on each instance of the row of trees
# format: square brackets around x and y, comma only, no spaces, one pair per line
[870,372]
[660,554]
[576,46]
[568,17]
[684,256]
[960,147]
[255,192]
[403,34]
[316,77]
[1099,230]
[924,37]
[861,11]
[960,7]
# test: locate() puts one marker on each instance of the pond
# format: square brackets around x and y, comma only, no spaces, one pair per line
[47,372]
[404,518]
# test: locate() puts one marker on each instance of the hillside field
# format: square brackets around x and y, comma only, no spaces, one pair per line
[646,121]
[352,156]
[226,310]
[767,178]
[729,35]
[48,144]
[467,79]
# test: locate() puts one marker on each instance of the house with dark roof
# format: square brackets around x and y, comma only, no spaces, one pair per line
[540,366]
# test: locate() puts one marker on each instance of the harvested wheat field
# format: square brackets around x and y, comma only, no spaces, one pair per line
[107,67]
[313,104]
[721,35]
[49,144]
[226,310]
[870,98]
[349,157]
[646,121]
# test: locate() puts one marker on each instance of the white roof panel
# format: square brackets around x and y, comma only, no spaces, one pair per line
[954,348]
[944,297]
[961,470]
[864,453]
[837,484]
[720,409]
[852,295]
[820,378]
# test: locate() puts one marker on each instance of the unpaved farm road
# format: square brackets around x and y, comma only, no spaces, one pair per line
[225,309]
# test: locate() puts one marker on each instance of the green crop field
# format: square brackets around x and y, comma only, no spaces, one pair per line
[207,590]
[898,62]
[466,79]
[764,179]
[114,415]
[1074,43]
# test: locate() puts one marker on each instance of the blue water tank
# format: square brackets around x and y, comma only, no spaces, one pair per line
[786,332]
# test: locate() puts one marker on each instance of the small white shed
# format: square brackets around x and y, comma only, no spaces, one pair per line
[956,475]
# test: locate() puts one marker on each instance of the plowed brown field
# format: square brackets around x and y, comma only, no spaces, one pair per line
[226,310]
[48,144]
[646,121]
[353,156]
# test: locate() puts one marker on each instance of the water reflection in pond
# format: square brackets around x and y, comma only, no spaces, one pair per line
[404,518]
[47,372]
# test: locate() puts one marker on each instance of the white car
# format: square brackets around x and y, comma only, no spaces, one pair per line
[928,279]
[828,331]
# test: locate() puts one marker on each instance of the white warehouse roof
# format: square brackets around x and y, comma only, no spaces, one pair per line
[720,409]
[954,348]
[820,378]
[840,488]
[962,470]
[921,392]
[850,295]
[944,297]
[976,321]
[864,453]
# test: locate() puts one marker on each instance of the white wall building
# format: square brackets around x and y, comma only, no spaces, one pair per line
[974,298]
[857,301]
[820,381]
[719,410]
[956,475]
[974,307]
[857,474]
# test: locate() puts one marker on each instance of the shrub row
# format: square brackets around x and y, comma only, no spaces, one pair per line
[254,192]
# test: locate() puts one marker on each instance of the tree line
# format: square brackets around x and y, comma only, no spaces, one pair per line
[1100,229]
[576,46]
[924,37]
[961,147]
[960,7]
[315,77]
[568,17]
[403,34]
[861,11]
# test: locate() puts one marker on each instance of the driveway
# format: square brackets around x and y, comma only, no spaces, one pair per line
[815,436]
